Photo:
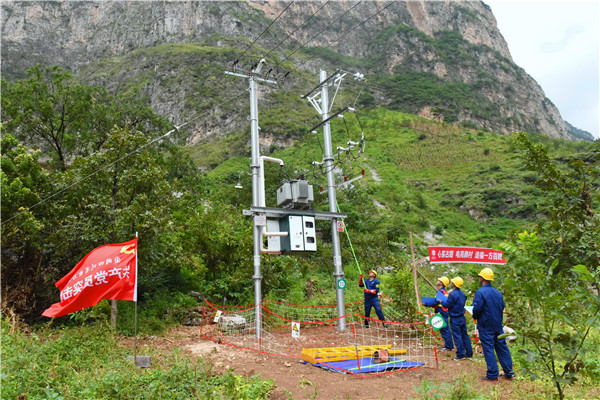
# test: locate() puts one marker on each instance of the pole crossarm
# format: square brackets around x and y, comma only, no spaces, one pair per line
[320,124]
[332,76]
[251,76]
[278,212]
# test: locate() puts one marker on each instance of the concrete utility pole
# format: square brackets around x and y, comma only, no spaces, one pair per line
[259,220]
[323,108]
[338,271]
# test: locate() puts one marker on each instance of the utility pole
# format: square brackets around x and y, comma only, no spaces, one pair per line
[338,271]
[324,108]
[259,220]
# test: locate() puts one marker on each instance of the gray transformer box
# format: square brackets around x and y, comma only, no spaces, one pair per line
[302,236]
[297,194]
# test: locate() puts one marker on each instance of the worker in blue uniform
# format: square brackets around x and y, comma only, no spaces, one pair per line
[458,323]
[441,283]
[488,309]
[371,290]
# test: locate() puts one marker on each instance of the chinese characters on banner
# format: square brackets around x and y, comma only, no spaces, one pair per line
[107,272]
[443,254]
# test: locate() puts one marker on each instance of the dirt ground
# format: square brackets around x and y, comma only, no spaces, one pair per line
[297,380]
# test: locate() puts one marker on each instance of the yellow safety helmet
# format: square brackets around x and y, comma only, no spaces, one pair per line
[373,271]
[444,280]
[458,282]
[487,274]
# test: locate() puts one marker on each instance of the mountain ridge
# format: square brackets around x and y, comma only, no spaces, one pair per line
[449,43]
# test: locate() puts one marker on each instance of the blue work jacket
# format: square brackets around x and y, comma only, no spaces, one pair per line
[488,308]
[455,303]
[371,284]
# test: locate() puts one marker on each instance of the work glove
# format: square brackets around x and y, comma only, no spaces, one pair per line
[372,291]
[360,280]
[380,294]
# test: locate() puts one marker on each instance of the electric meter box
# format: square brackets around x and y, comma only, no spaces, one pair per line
[297,193]
[302,235]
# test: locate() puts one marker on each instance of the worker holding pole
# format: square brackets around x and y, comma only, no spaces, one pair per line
[371,290]
[458,323]
[441,284]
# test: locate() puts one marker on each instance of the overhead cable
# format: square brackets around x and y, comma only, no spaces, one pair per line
[342,36]
[175,129]
[259,36]
[294,31]
[309,40]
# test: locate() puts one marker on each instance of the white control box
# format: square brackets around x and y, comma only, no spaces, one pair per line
[301,234]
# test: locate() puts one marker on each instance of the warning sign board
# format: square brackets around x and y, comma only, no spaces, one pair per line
[217,316]
[340,226]
[295,329]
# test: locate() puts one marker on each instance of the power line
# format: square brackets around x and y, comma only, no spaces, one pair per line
[309,40]
[272,22]
[349,31]
[294,31]
[176,129]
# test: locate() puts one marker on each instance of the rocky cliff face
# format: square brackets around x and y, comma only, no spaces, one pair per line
[401,36]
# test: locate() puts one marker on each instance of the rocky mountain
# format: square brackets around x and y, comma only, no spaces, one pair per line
[445,60]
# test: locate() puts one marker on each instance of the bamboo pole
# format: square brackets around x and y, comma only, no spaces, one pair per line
[414,271]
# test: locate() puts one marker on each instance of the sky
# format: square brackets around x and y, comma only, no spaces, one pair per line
[556,42]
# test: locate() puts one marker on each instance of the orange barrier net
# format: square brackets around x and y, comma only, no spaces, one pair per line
[312,333]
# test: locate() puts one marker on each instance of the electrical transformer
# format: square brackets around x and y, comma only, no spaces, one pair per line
[296,194]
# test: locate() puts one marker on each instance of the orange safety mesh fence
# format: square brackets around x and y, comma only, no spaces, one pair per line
[312,333]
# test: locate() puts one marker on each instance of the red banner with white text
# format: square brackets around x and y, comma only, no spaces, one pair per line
[107,272]
[476,255]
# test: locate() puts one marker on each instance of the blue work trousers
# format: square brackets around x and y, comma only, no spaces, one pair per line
[375,304]
[489,344]
[462,341]
[446,334]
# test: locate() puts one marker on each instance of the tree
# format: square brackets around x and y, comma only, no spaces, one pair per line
[554,310]
[53,111]
[24,184]
[549,280]
[571,231]
[120,190]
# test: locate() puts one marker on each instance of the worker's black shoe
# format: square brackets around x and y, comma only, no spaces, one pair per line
[385,326]
[485,378]
[444,349]
[508,377]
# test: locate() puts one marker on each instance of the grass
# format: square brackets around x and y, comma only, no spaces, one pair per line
[88,362]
